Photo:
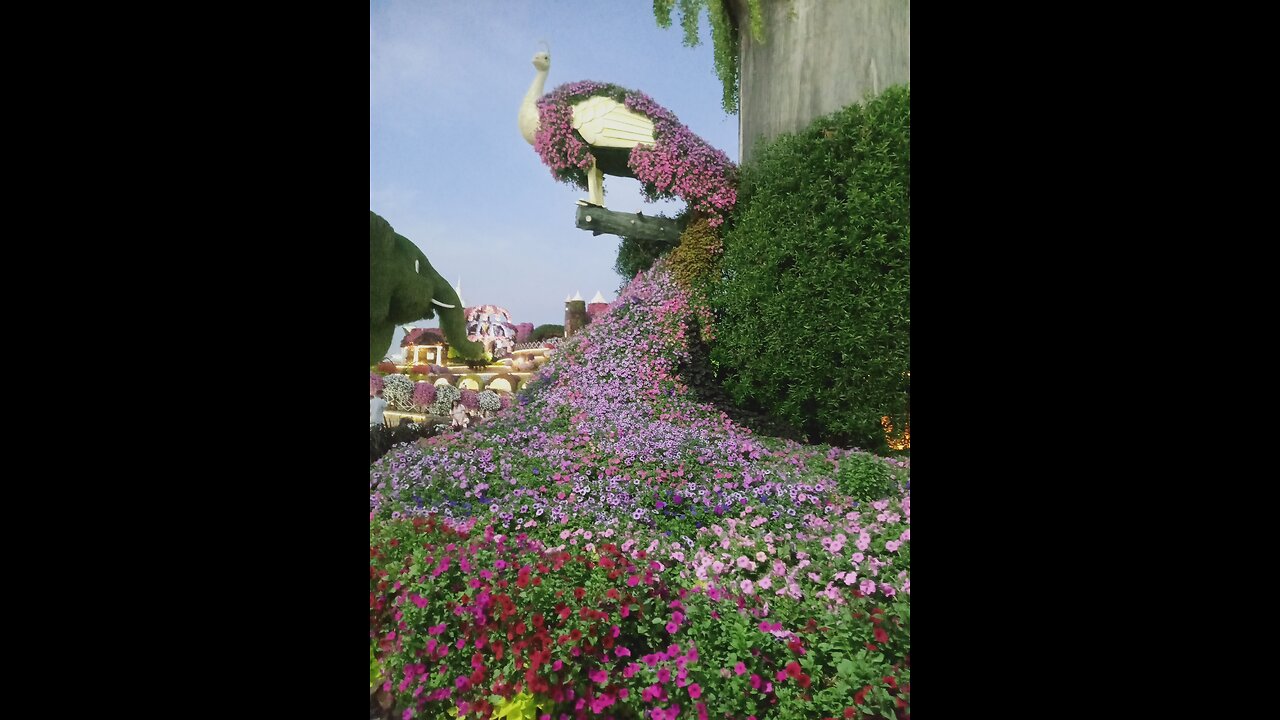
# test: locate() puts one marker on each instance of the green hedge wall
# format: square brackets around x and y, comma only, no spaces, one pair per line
[546,332]
[814,304]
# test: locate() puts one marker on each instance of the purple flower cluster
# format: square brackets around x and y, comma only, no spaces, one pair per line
[609,440]
[424,393]
[679,164]
[375,383]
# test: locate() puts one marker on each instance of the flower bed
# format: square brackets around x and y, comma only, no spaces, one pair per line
[610,547]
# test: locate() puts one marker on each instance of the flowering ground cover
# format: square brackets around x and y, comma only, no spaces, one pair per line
[610,547]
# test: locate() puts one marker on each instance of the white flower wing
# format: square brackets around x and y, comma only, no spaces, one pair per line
[604,122]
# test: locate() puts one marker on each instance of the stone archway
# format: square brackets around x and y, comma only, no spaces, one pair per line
[505,382]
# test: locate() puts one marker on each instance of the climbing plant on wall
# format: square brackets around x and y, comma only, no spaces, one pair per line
[724,36]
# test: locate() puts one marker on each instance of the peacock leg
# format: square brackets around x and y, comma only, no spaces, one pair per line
[595,185]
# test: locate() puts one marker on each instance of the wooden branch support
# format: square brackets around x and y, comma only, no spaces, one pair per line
[632,225]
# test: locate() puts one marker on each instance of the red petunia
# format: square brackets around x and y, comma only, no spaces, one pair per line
[793,669]
[881,635]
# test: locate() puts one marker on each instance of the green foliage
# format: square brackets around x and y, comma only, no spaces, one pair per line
[866,478]
[817,268]
[724,36]
[474,363]
[637,255]
[546,332]
[382,439]
[696,259]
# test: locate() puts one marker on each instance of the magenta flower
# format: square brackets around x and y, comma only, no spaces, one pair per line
[695,691]
[679,164]
[739,668]
[599,676]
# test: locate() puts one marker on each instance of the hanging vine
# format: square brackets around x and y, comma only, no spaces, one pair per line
[724,36]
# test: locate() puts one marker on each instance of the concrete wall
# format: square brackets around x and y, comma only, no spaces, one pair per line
[817,57]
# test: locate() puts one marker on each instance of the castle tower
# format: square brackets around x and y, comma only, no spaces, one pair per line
[575,314]
[597,305]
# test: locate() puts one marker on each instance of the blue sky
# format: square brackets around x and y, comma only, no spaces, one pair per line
[448,167]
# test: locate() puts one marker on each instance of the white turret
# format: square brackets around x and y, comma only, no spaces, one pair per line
[599,298]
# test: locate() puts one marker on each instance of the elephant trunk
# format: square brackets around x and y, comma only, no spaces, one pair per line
[453,324]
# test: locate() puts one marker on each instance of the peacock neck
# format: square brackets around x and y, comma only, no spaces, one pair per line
[529,108]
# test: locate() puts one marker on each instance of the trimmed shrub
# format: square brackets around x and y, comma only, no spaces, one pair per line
[420,370]
[386,366]
[817,269]
[543,332]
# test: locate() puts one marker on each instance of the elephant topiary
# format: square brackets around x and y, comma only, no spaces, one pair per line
[403,288]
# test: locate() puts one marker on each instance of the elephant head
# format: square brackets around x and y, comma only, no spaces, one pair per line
[403,288]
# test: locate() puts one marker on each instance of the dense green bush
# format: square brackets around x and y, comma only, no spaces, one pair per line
[817,270]
[383,438]
[546,332]
[636,255]
[695,260]
[866,478]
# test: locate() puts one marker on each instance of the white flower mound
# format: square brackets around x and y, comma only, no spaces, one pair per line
[446,396]
[489,401]
[398,391]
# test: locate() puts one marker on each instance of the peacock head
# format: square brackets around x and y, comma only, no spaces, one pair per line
[542,61]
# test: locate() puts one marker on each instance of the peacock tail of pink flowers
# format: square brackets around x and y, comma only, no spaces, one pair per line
[679,165]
